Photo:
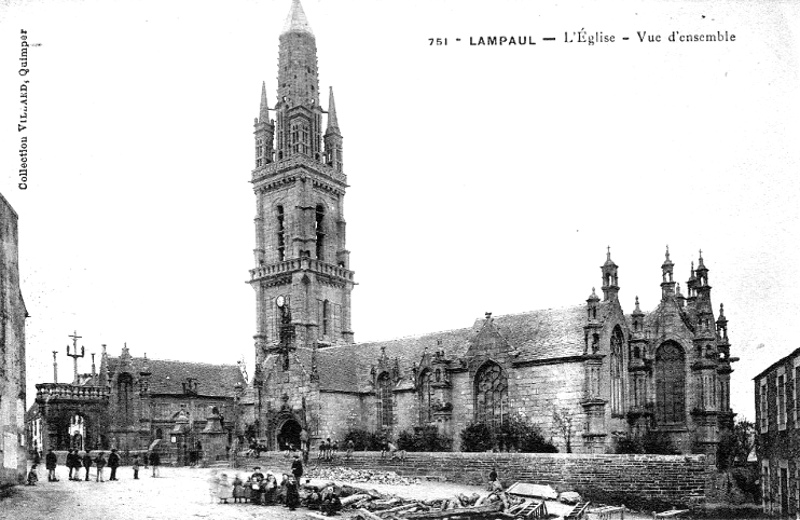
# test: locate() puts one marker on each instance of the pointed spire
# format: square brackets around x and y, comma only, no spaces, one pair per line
[609,261]
[297,21]
[637,311]
[593,297]
[263,113]
[700,261]
[333,122]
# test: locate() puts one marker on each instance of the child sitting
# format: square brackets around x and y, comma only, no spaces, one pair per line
[33,477]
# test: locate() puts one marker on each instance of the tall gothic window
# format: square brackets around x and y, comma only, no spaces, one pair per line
[385,404]
[326,319]
[670,384]
[320,216]
[125,397]
[259,152]
[617,371]
[491,394]
[425,397]
[281,235]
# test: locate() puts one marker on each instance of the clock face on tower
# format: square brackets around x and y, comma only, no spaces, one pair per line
[280,301]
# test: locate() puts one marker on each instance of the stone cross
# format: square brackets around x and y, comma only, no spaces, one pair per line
[75,354]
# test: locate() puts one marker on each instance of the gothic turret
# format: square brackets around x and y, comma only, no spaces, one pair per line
[610,282]
[264,132]
[333,137]
[703,311]
[593,326]
[667,283]
[691,287]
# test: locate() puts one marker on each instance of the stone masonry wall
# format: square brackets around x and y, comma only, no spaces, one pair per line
[643,482]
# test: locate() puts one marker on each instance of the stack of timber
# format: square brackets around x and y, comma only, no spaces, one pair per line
[495,506]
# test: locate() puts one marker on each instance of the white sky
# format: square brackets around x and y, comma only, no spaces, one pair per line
[483,178]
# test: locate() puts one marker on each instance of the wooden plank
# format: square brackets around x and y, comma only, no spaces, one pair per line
[462,511]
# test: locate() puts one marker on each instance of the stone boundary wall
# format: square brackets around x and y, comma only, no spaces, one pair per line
[643,482]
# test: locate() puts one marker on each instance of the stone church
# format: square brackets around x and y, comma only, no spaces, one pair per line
[187,411]
[608,372]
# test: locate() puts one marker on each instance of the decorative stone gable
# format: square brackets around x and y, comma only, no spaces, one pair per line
[489,345]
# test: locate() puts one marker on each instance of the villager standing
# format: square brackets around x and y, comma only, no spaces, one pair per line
[70,462]
[224,489]
[328,448]
[238,489]
[50,462]
[76,465]
[100,462]
[155,461]
[292,495]
[297,468]
[350,447]
[135,467]
[87,463]
[113,463]
[303,440]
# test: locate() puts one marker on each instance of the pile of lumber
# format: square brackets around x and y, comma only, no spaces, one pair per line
[460,506]
[361,475]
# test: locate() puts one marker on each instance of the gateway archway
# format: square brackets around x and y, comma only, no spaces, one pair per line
[289,435]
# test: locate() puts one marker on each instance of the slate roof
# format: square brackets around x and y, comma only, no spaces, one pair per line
[546,333]
[538,335]
[168,376]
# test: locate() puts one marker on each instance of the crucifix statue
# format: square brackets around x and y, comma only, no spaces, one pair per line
[75,354]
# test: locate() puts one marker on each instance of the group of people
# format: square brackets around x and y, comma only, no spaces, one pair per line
[328,449]
[269,489]
[75,461]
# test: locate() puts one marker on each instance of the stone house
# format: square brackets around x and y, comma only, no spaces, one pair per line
[12,353]
[606,372]
[778,435]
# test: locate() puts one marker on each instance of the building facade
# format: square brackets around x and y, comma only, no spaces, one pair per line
[12,353]
[602,372]
[778,435]
[187,411]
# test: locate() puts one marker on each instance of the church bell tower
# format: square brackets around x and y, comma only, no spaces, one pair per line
[302,277]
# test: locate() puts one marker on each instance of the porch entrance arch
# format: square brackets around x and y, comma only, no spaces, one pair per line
[289,434]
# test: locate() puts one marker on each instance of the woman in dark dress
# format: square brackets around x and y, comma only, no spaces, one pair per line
[292,494]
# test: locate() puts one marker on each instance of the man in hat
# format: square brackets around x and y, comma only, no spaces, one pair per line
[113,463]
[50,462]
[70,463]
[297,468]
[87,463]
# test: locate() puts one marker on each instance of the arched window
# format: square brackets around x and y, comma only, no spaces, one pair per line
[617,370]
[281,234]
[670,384]
[320,230]
[385,402]
[325,317]
[425,397]
[491,394]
